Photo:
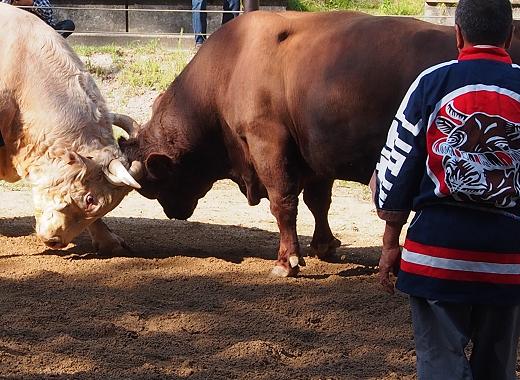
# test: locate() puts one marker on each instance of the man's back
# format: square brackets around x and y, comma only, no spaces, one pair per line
[458,133]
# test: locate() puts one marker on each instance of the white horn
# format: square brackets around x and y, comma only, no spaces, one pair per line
[136,170]
[119,176]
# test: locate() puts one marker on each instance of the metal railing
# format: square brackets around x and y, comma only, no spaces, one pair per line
[440,19]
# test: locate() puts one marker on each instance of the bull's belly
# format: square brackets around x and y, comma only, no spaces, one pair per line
[343,167]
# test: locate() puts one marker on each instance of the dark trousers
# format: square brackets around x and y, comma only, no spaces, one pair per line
[442,331]
[199,19]
[65,27]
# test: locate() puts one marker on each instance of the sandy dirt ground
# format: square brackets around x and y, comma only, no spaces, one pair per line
[195,299]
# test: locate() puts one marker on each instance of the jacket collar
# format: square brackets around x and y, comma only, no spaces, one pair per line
[492,53]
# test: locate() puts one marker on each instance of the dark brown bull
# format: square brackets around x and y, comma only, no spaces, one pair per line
[282,103]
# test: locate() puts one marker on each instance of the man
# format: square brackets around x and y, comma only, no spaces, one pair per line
[199,19]
[453,156]
[43,9]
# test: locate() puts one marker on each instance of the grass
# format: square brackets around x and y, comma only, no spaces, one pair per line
[136,67]
[380,7]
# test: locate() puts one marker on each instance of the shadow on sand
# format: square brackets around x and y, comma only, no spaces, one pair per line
[159,238]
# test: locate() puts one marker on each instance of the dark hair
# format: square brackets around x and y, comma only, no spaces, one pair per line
[485,22]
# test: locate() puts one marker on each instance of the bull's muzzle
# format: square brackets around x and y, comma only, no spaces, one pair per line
[54,242]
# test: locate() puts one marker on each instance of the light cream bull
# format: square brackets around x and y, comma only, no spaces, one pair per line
[58,134]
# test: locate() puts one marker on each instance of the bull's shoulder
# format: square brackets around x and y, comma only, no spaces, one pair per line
[262,23]
[16,21]
[23,35]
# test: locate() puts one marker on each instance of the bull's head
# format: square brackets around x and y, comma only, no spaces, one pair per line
[72,190]
[176,184]
[182,156]
[177,180]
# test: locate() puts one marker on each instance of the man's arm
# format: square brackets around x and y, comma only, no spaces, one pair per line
[391,250]
[397,178]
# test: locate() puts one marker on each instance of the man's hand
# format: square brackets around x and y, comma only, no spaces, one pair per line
[389,263]
[390,255]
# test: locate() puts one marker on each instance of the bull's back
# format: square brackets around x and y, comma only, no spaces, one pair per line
[15,31]
[349,84]
[20,34]
[334,79]
[35,74]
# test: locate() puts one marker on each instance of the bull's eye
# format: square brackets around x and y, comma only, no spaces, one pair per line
[90,200]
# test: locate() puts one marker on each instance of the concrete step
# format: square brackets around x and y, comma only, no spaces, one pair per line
[443,11]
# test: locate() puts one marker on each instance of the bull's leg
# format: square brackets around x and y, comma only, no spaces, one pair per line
[285,207]
[105,241]
[317,196]
[275,162]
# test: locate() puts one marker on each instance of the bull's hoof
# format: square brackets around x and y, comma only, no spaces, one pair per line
[295,261]
[282,271]
[288,268]
[325,251]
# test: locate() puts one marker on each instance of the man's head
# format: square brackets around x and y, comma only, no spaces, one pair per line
[484,22]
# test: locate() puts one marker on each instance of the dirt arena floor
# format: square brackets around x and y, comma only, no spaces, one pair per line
[195,299]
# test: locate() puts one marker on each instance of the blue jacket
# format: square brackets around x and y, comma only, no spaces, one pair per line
[453,156]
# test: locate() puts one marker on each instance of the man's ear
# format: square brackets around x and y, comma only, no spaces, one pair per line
[459,36]
[159,165]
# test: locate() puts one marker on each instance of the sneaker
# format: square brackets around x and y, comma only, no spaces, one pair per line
[197,46]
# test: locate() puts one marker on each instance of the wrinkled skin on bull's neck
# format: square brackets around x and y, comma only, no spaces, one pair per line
[307,100]
[58,133]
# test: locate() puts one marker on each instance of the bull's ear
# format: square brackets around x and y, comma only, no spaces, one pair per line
[72,158]
[69,157]
[159,165]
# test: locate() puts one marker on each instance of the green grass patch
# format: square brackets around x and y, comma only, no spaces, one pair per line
[153,71]
[138,66]
[379,7]
[89,50]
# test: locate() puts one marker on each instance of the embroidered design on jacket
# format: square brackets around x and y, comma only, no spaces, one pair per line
[479,151]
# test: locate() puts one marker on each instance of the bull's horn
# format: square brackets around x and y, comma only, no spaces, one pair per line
[127,123]
[136,170]
[119,176]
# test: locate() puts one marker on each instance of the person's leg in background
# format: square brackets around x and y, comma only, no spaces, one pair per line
[199,20]
[65,27]
[230,5]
